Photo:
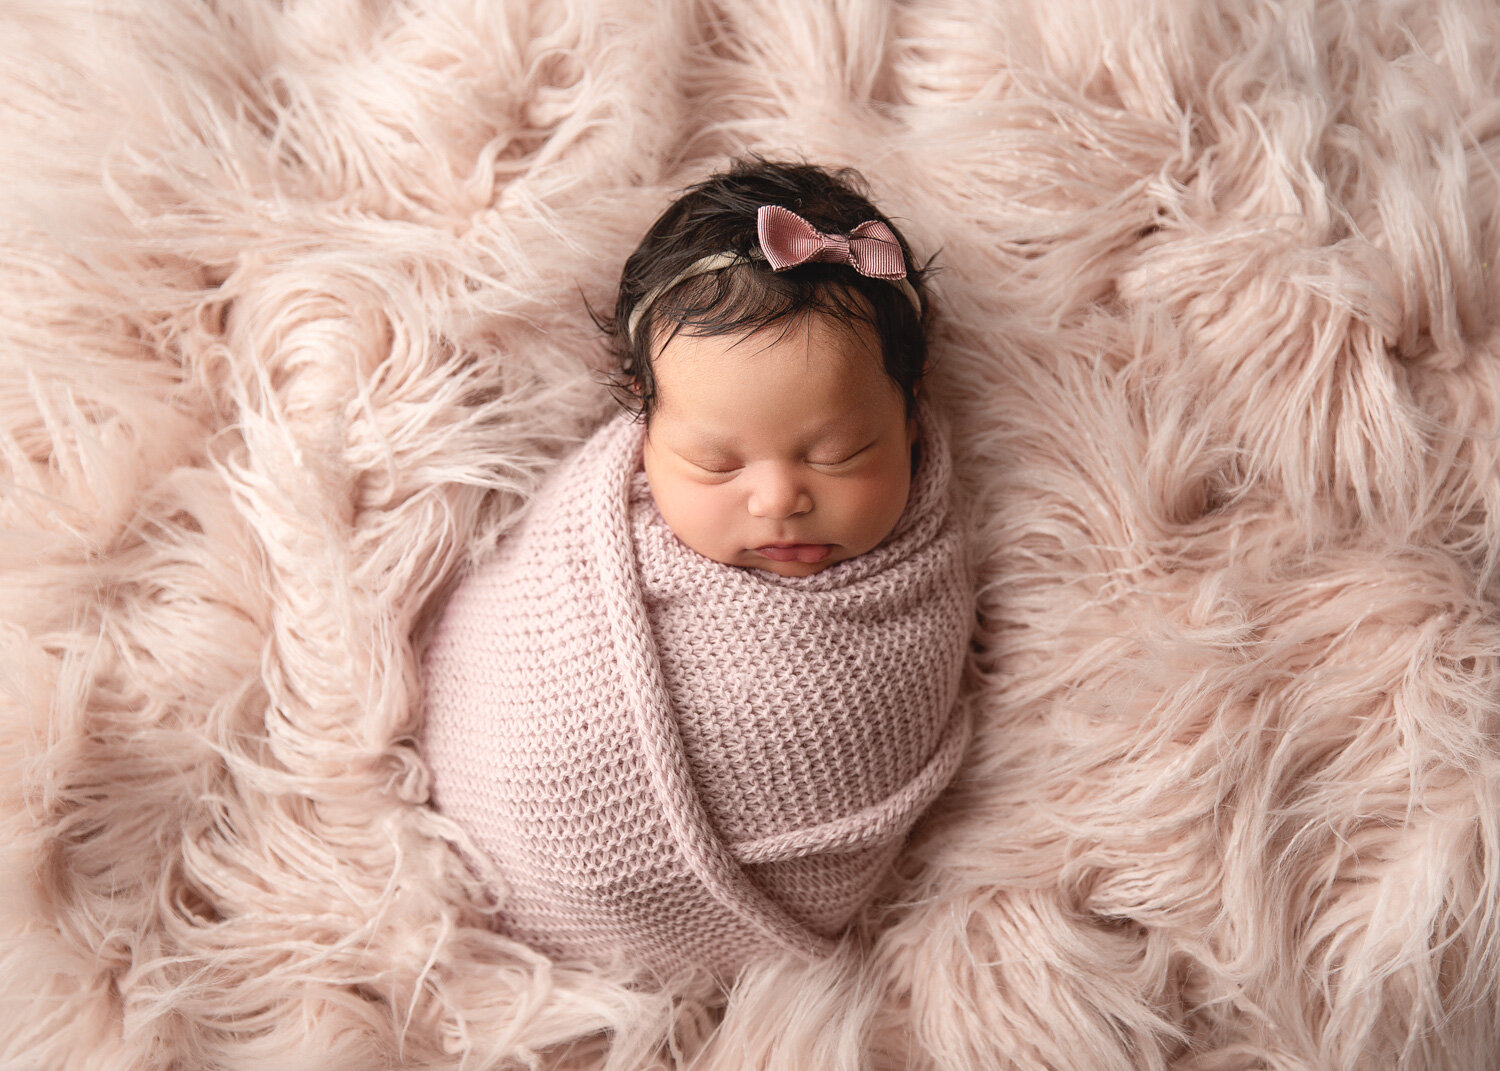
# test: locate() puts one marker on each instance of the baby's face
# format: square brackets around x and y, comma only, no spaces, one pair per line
[799,439]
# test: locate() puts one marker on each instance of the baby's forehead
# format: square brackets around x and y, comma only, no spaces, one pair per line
[727,393]
[804,377]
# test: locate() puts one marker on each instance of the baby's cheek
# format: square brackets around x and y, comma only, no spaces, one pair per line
[872,506]
[700,515]
[713,511]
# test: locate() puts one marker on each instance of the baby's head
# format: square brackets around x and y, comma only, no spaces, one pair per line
[778,404]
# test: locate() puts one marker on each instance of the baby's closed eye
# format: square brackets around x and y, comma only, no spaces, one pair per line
[718,468]
[830,460]
[839,458]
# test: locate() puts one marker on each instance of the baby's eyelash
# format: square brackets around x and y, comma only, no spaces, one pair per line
[724,470]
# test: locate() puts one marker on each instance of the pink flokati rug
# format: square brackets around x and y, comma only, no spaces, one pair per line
[294,320]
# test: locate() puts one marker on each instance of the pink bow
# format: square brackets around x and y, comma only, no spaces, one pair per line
[787,240]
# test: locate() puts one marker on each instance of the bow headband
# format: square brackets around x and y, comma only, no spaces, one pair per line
[787,240]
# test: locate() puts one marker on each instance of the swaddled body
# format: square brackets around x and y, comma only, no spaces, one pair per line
[692,707]
[687,763]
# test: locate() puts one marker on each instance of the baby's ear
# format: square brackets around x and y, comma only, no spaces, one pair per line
[632,381]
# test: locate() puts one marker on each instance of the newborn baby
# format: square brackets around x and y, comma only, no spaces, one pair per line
[692,706]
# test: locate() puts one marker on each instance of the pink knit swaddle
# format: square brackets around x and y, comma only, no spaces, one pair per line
[685,763]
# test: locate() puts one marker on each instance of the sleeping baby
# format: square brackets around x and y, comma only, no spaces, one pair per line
[692,706]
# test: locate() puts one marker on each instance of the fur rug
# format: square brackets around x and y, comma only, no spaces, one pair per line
[294,319]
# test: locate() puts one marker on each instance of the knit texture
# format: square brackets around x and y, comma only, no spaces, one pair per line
[685,764]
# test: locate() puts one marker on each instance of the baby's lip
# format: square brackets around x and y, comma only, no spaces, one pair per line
[795,552]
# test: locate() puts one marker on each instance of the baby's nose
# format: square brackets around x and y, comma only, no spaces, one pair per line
[777,493]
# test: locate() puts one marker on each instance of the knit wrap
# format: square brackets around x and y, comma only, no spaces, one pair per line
[686,764]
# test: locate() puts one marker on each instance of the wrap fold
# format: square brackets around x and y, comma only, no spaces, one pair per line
[686,764]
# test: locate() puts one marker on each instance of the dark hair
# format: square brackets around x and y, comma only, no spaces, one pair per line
[717,215]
